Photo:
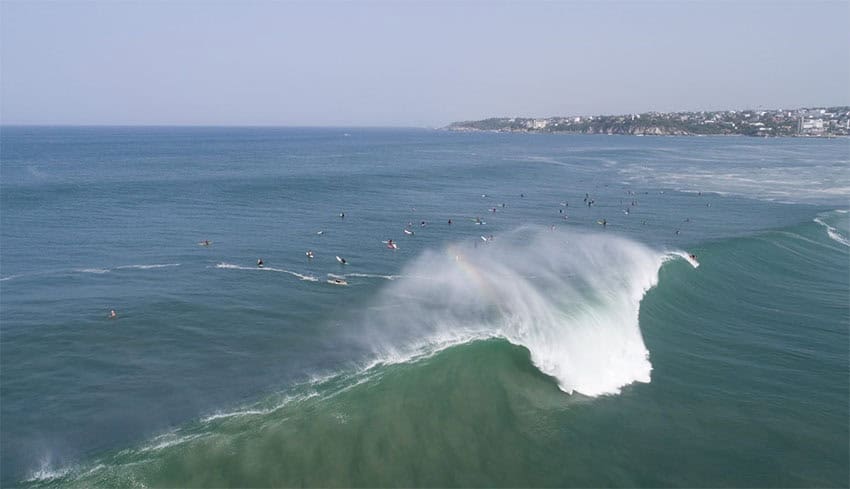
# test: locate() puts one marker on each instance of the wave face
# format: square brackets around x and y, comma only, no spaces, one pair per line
[572,300]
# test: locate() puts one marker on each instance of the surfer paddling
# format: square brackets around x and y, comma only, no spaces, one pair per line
[260,263]
[112,314]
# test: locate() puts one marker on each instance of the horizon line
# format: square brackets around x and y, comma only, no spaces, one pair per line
[401,126]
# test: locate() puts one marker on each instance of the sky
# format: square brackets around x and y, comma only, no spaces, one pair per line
[410,63]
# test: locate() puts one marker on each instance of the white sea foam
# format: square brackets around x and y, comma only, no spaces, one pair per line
[47,473]
[256,411]
[578,315]
[373,275]
[833,233]
[783,174]
[230,266]
[92,270]
[169,440]
[685,256]
[148,267]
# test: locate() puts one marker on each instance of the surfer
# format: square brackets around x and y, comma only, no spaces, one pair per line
[113,314]
[205,242]
[259,263]
[341,260]
[342,215]
[309,254]
[604,223]
[450,222]
[692,256]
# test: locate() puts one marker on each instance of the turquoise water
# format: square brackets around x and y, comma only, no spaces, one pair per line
[578,355]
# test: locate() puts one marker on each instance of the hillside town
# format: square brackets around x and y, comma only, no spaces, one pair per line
[803,122]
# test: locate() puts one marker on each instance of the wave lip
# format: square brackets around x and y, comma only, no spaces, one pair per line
[572,300]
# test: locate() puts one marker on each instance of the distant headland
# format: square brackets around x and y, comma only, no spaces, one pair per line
[805,122]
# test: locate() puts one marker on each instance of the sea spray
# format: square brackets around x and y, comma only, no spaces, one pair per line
[571,299]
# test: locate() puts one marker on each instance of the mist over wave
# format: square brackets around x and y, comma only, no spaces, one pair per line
[571,299]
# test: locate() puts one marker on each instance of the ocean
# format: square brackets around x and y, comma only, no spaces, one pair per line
[541,322]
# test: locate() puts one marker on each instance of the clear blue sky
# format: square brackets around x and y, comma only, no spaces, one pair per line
[411,63]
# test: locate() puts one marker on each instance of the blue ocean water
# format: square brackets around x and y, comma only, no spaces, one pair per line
[524,344]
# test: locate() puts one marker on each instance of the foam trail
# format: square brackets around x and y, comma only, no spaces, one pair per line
[833,233]
[148,267]
[91,270]
[372,275]
[230,266]
[572,300]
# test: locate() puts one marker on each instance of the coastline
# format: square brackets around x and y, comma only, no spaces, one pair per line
[581,133]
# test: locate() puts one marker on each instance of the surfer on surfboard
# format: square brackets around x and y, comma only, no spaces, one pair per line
[259,263]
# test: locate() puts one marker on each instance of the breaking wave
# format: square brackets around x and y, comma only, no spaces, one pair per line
[572,300]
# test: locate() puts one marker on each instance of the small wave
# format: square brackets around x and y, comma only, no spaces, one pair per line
[230,266]
[833,233]
[373,275]
[91,270]
[148,267]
